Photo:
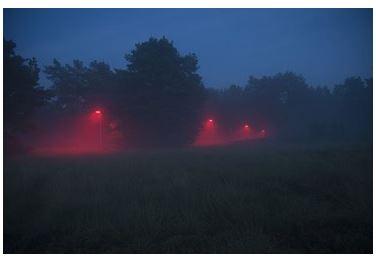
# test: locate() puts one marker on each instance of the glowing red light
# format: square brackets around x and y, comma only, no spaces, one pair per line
[246,126]
[211,120]
[98,112]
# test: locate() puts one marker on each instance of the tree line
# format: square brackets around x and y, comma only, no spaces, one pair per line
[291,109]
[159,99]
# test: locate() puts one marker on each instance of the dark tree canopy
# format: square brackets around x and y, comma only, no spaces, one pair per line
[70,84]
[22,94]
[163,94]
[353,101]
[79,88]
[291,109]
[278,100]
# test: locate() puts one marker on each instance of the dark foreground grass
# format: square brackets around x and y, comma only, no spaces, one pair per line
[254,198]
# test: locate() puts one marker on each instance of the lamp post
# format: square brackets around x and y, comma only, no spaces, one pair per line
[99,113]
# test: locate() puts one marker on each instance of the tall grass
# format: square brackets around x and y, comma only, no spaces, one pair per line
[252,198]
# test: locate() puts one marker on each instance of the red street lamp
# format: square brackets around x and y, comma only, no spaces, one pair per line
[209,123]
[99,114]
[263,132]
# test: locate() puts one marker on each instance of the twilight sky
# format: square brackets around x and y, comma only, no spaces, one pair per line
[323,45]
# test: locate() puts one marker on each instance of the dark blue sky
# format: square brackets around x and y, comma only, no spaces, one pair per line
[324,45]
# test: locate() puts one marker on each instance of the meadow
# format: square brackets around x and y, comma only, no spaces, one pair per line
[256,197]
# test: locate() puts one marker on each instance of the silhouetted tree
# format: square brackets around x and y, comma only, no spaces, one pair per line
[289,108]
[353,102]
[69,84]
[278,102]
[162,94]
[79,88]
[22,95]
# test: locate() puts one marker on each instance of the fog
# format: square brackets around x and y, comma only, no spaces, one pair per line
[160,101]
[147,157]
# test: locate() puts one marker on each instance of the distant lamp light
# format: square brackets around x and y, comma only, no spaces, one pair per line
[98,112]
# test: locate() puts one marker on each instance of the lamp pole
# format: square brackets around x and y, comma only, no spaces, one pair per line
[101,131]
[100,136]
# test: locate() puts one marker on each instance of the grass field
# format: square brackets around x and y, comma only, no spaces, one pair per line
[250,198]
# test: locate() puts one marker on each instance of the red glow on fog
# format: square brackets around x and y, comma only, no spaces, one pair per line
[80,135]
[210,124]
[241,133]
[95,133]
[246,131]
[211,134]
